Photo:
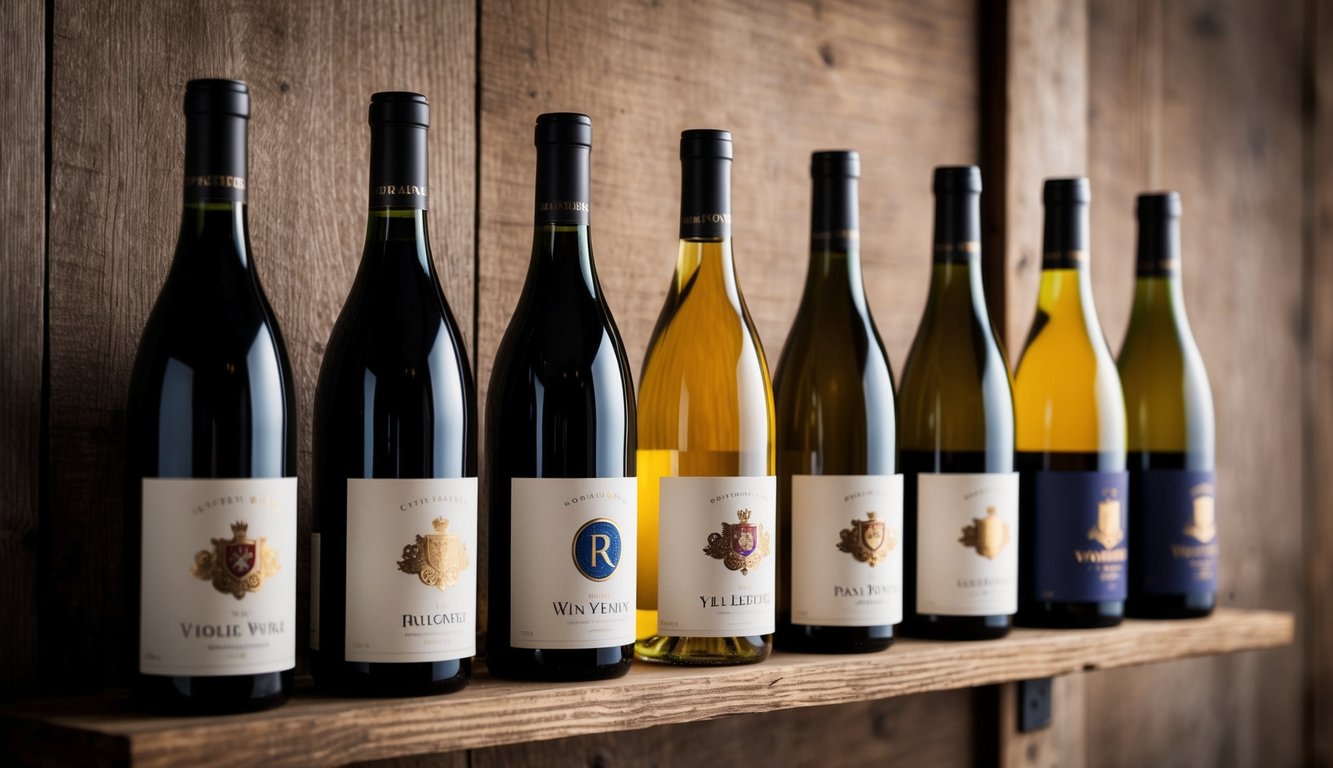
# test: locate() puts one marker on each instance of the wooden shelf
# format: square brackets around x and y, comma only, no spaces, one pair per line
[319,730]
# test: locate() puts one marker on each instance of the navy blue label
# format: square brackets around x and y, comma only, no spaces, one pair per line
[597,549]
[1080,539]
[1178,543]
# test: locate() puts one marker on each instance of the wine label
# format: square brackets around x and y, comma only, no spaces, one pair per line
[218,589]
[846,550]
[1079,550]
[411,569]
[717,556]
[572,562]
[1178,543]
[967,544]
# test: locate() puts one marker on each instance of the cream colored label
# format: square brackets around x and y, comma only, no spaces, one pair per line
[572,562]
[967,544]
[846,539]
[411,569]
[218,589]
[717,556]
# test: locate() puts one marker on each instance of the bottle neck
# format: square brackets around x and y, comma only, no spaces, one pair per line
[835,241]
[1065,283]
[561,211]
[399,195]
[1157,289]
[705,199]
[213,220]
[955,278]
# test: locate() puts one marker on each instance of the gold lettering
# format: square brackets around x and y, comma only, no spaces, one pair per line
[400,189]
[707,218]
[1107,556]
[224,182]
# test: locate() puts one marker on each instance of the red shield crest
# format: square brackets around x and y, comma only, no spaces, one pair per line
[240,558]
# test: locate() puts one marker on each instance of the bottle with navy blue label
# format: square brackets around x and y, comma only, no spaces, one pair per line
[1173,533]
[560,447]
[1070,439]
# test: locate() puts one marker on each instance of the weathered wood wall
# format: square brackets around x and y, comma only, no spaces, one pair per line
[1206,97]
[1225,100]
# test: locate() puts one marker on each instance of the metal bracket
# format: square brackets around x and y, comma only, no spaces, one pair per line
[1034,705]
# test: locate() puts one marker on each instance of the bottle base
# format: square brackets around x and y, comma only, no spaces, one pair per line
[1071,615]
[385,680]
[1193,605]
[961,628]
[199,696]
[803,638]
[703,651]
[560,665]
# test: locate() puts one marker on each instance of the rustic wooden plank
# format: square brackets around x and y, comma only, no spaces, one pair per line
[1223,127]
[117,148]
[490,712]
[1059,746]
[1319,374]
[887,732]
[22,295]
[786,78]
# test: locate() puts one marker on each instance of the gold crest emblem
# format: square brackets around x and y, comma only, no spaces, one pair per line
[741,546]
[988,535]
[1108,532]
[237,565]
[869,541]
[1203,527]
[438,559]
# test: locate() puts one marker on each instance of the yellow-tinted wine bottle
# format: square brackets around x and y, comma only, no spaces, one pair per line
[1173,535]
[1073,487]
[707,492]
[839,500]
[956,429]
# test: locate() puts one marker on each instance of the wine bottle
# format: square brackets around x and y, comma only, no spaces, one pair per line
[1070,438]
[707,492]
[956,414]
[394,544]
[840,503]
[560,447]
[210,497]
[1173,534]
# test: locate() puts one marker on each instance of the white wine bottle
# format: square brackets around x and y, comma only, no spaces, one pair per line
[210,498]
[1172,530]
[840,503]
[1070,435]
[956,425]
[707,491]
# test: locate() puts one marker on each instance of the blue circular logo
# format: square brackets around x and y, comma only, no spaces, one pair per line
[597,549]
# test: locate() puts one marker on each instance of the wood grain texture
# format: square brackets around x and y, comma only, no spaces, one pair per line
[1319,391]
[22,295]
[117,149]
[786,78]
[1046,96]
[1044,57]
[1221,122]
[1060,746]
[490,712]
[929,729]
